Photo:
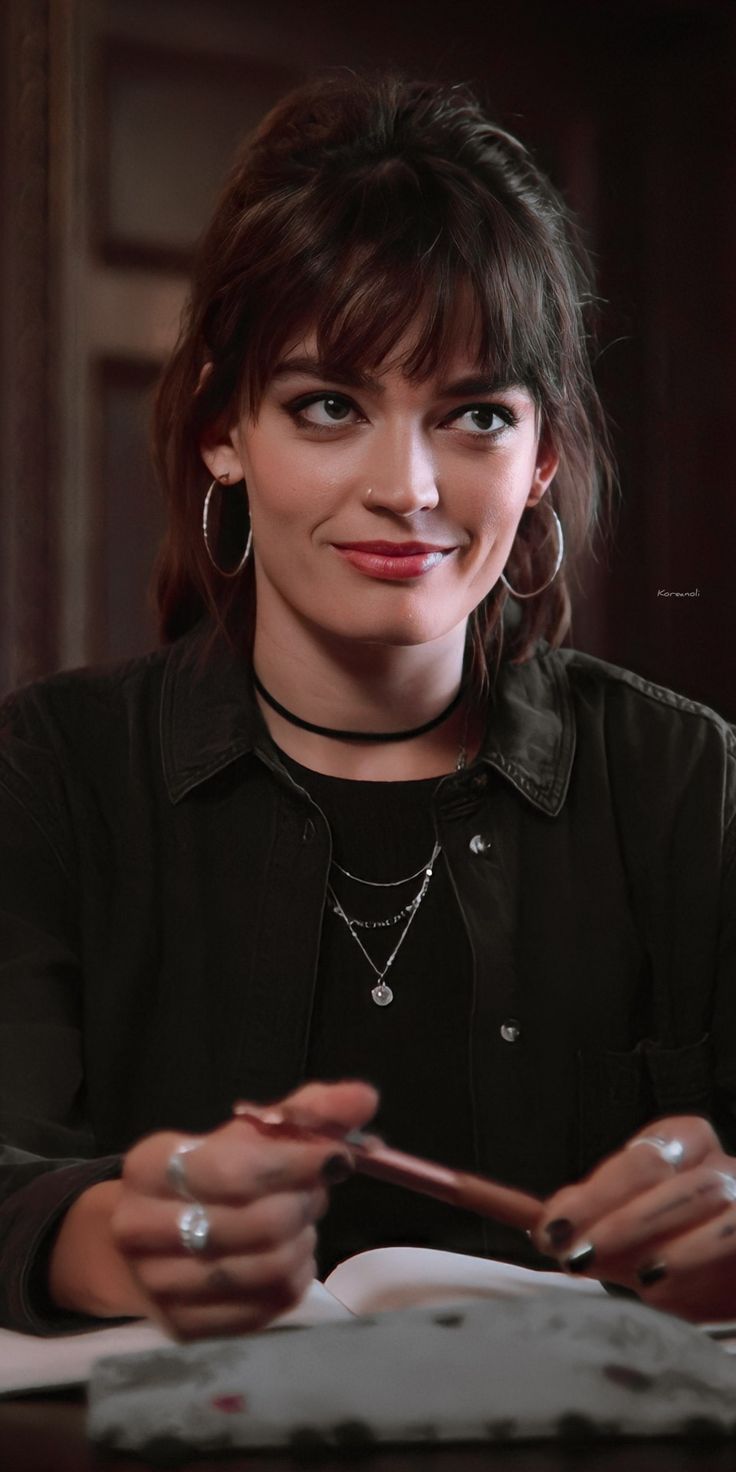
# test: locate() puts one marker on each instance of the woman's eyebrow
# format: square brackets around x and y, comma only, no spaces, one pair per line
[463,388]
[326,371]
[460,388]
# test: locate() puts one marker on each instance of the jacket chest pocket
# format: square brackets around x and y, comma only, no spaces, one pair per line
[619,1093]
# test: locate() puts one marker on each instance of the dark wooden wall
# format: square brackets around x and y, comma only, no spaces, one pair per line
[666,233]
[118,116]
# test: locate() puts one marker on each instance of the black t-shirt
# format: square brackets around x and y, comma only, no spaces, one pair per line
[415,1050]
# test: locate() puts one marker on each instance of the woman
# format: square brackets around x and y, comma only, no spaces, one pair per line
[363,818]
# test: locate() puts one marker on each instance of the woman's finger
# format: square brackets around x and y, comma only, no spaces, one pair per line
[620,1244]
[189,1319]
[169,1278]
[346,1105]
[235,1164]
[637,1168]
[695,1275]
[238,1163]
[143,1225]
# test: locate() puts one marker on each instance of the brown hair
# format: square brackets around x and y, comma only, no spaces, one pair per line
[363,205]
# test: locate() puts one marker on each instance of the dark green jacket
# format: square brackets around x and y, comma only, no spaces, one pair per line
[162,881]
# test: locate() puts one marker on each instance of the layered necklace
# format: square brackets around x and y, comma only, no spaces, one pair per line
[381,992]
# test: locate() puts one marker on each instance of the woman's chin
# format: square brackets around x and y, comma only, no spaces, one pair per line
[400,634]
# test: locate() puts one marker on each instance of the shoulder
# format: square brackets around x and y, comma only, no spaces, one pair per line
[73,733]
[627,697]
[649,733]
[74,703]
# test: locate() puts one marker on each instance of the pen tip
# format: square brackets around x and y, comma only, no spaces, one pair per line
[361,1137]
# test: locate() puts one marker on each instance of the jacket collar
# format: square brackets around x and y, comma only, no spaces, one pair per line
[209,718]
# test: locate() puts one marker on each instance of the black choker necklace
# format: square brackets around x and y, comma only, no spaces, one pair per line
[358,735]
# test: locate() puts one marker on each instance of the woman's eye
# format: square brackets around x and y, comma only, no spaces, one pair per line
[485,419]
[323,410]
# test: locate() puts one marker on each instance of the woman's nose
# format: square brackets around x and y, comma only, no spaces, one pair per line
[402,477]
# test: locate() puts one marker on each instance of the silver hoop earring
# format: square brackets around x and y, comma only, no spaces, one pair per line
[224,572]
[558,562]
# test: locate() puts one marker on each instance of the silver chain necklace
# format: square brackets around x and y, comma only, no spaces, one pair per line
[381,993]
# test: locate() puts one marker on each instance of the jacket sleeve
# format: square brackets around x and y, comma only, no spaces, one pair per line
[724,1018]
[47,1151]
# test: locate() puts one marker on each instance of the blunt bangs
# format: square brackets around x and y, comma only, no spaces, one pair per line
[395,251]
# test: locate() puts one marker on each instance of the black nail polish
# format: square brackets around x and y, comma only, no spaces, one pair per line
[651,1273]
[560,1231]
[336,1168]
[581,1258]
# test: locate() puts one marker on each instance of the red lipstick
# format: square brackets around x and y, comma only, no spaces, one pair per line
[393,549]
[392,560]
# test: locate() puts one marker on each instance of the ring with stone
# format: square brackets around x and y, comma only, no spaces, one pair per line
[176,1175]
[672,1152]
[194,1228]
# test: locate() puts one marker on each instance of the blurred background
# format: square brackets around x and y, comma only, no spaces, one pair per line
[119,118]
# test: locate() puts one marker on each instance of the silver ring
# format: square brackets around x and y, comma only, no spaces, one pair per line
[175,1173]
[194,1228]
[672,1152]
[729,1184]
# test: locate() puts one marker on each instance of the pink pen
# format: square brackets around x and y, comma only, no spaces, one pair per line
[373,1158]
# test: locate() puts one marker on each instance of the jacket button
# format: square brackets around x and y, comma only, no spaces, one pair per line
[479,843]
[510,1030]
[308,831]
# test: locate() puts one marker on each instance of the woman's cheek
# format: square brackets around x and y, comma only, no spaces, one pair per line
[300,495]
[494,510]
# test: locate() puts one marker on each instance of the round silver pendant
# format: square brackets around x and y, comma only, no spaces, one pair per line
[382,994]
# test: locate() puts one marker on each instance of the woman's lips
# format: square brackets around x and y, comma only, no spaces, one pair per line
[397,560]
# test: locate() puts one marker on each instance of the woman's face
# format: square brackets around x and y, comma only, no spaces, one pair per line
[382,511]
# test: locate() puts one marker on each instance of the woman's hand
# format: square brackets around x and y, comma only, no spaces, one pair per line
[663,1226]
[122,1248]
[262,1198]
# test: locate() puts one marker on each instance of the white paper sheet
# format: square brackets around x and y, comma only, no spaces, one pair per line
[28,1362]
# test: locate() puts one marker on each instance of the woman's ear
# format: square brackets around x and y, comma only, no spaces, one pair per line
[545,470]
[220,456]
[216,444]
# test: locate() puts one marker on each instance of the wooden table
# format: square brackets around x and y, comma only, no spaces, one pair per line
[47,1434]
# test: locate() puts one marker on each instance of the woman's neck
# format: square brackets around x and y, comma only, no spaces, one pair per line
[374,689]
[432,755]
